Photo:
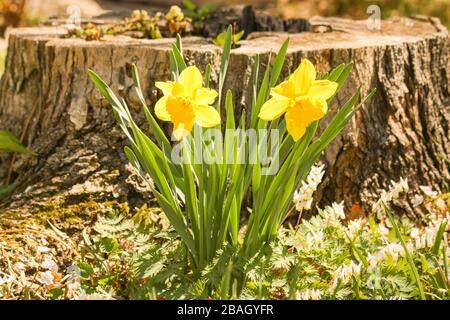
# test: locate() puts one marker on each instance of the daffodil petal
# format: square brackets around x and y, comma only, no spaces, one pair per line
[205,96]
[295,127]
[303,77]
[165,87]
[206,116]
[323,106]
[274,108]
[322,89]
[161,109]
[191,79]
[285,89]
[178,89]
[181,130]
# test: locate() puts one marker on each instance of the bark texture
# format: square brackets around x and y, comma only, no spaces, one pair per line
[47,99]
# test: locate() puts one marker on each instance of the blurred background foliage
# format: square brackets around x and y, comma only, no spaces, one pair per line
[357,8]
[14,13]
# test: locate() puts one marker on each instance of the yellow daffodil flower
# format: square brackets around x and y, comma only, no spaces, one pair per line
[301,98]
[186,102]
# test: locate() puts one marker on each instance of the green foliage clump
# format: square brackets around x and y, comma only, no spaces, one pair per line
[197,13]
[357,8]
[325,257]
[221,38]
[204,200]
[140,24]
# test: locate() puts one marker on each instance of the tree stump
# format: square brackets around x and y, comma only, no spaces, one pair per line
[48,100]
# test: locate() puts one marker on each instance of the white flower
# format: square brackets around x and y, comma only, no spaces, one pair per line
[345,272]
[414,234]
[314,239]
[42,249]
[6,279]
[393,193]
[417,200]
[428,191]
[309,294]
[333,214]
[397,188]
[303,198]
[338,209]
[372,260]
[46,278]
[73,274]
[93,296]
[410,247]
[383,230]
[391,250]
[427,238]
[74,269]
[354,227]
[440,204]
[49,264]
[73,286]
[315,176]
[420,242]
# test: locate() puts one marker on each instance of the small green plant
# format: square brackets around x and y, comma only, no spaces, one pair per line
[10,143]
[140,24]
[222,37]
[196,13]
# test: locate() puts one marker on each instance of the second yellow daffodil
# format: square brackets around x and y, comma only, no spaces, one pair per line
[186,102]
[301,98]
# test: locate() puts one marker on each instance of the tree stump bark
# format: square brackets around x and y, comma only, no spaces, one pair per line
[47,99]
